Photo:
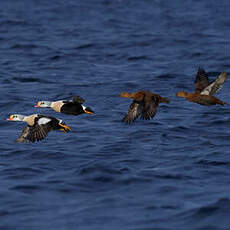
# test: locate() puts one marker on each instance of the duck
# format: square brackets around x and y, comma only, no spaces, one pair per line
[204,90]
[144,104]
[38,126]
[73,107]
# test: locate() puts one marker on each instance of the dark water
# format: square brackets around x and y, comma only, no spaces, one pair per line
[170,173]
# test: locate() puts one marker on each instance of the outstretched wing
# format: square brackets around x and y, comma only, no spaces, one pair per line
[150,108]
[215,85]
[22,138]
[33,133]
[201,80]
[78,99]
[133,113]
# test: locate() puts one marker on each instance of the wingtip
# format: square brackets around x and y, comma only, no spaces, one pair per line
[126,121]
[201,71]
[222,78]
[224,74]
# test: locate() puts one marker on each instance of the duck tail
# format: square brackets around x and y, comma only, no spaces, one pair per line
[225,103]
[164,100]
[219,102]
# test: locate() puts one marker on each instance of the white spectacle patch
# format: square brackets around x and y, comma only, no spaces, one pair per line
[83,107]
[43,121]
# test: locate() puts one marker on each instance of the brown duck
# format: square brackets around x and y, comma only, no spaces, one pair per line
[204,90]
[144,103]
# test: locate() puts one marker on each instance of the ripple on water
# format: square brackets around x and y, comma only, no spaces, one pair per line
[30,79]
[168,173]
[27,188]
[21,173]
[204,215]
[24,46]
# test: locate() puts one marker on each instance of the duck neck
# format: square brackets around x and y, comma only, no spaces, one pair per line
[49,104]
[185,94]
[30,119]
[56,105]
[21,117]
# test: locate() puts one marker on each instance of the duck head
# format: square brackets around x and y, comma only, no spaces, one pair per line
[182,94]
[43,104]
[16,117]
[126,94]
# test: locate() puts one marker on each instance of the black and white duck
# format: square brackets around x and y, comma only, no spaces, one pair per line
[74,107]
[38,126]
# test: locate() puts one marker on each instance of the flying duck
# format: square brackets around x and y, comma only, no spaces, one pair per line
[38,126]
[74,107]
[144,103]
[204,90]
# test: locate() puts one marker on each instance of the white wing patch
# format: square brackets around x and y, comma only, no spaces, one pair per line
[43,120]
[215,86]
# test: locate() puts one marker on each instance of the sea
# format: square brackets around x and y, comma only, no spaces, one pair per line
[168,173]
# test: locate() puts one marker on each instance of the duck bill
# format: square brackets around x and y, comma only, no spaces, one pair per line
[10,118]
[38,105]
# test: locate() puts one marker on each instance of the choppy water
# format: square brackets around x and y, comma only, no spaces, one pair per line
[170,173]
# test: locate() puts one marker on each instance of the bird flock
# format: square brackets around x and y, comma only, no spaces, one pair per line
[144,105]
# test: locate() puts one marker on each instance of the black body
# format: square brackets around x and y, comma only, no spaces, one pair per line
[72,108]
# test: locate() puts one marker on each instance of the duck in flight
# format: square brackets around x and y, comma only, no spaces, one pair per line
[144,104]
[74,107]
[204,90]
[38,126]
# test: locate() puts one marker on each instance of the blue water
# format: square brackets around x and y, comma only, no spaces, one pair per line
[170,173]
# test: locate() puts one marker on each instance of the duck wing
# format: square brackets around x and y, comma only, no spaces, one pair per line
[22,138]
[215,85]
[150,108]
[201,80]
[34,133]
[78,99]
[135,110]
[38,132]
